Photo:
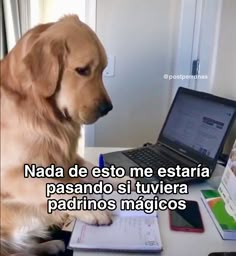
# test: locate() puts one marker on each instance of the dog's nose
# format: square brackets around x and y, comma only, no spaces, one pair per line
[105,107]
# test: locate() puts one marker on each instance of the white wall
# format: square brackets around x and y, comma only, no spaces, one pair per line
[141,34]
[225,75]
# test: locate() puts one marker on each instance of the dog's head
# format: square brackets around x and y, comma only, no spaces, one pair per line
[66,63]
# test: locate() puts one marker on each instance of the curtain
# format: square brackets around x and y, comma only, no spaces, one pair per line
[15,21]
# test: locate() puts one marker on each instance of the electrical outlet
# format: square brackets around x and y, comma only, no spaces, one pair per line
[110,68]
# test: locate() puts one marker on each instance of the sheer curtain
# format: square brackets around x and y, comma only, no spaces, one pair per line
[15,21]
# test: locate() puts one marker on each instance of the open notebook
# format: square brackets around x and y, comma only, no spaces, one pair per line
[130,231]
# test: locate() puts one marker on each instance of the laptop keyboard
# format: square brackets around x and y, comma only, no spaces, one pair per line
[145,157]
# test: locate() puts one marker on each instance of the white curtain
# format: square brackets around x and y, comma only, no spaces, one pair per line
[15,21]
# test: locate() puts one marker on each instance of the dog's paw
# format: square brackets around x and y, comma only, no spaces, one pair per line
[95,217]
[132,182]
[117,181]
[53,247]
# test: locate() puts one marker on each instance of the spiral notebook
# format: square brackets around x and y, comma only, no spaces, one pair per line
[130,231]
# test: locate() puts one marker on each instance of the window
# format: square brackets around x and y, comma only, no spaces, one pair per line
[43,11]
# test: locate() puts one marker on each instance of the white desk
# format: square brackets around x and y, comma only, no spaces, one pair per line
[176,243]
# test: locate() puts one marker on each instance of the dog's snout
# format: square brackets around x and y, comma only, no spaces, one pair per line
[105,107]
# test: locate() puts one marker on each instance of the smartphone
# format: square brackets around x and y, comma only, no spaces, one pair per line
[188,220]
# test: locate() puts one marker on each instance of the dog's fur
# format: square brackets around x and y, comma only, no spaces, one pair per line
[51,83]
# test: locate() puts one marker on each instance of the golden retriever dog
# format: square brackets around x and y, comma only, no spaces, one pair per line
[51,84]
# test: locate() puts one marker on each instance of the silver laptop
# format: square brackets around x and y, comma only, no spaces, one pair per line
[194,132]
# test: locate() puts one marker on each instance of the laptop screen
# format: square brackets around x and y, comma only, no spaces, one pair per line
[198,123]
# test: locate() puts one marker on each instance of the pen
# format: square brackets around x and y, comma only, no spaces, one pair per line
[101,164]
[101,161]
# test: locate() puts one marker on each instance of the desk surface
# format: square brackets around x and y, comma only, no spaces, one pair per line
[176,243]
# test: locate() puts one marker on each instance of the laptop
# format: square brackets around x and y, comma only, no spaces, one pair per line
[193,133]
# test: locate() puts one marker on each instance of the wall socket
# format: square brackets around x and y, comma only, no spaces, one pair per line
[110,68]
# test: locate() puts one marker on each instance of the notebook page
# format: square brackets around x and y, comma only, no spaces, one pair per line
[125,233]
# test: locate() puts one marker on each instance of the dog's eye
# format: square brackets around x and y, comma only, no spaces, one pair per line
[85,71]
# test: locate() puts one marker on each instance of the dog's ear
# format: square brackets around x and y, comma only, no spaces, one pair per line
[45,62]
